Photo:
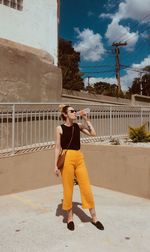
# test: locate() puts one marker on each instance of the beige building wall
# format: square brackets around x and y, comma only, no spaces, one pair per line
[35,25]
[27,74]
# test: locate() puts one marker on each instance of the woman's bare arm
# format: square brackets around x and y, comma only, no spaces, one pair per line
[87,129]
[57,148]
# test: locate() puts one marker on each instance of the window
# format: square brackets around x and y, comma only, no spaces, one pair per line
[15,4]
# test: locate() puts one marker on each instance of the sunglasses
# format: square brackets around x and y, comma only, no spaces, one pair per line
[72,111]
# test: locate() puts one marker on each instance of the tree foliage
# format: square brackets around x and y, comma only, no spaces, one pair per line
[68,60]
[104,88]
[143,82]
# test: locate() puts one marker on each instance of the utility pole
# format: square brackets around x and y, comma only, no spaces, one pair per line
[141,86]
[117,52]
[89,80]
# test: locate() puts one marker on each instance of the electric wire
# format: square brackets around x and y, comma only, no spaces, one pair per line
[136,25]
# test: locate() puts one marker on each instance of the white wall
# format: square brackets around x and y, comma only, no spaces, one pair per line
[35,25]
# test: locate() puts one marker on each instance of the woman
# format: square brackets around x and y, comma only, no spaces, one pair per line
[74,163]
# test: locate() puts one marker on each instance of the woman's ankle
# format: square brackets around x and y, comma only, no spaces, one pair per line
[69,219]
[70,216]
[93,214]
[94,219]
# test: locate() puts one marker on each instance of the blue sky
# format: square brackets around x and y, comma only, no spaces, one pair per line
[93,25]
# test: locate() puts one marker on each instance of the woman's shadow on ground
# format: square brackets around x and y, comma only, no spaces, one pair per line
[76,210]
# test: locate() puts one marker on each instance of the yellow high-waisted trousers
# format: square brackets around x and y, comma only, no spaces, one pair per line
[75,166]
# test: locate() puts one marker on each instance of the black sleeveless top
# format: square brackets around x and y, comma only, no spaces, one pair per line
[66,137]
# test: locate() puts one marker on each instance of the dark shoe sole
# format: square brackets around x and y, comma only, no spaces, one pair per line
[70,225]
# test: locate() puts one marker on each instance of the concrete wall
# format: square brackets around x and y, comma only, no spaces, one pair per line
[81,96]
[140,100]
[27,171]
[35,26]
[120,168]
[27,74]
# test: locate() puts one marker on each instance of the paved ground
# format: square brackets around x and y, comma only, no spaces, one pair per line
[33,221]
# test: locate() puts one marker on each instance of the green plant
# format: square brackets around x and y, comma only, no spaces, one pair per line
[139,134]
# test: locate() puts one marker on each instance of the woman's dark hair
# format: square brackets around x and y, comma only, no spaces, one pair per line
[64,110]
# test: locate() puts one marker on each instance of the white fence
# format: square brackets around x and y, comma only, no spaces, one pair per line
[32,125]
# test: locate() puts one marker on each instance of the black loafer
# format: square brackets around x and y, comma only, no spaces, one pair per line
[98,224]
[70,225]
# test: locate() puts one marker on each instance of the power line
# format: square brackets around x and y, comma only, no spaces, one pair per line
[133,57]
[97,66]
[141,70]
[140,46]
[122,67]
[140,50]
[128,39]
[136,25]
[96,72]
[132,37]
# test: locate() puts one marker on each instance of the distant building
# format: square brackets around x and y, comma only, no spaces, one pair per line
[31,22]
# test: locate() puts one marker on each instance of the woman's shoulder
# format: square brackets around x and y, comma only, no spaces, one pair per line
[75,124]
[79,125]
[59,129]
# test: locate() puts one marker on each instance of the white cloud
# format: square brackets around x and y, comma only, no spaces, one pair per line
[118,32]
[106,15]
[126,80]
[145,35]
[143,63]
[89,45]
[93,80]
[136,10]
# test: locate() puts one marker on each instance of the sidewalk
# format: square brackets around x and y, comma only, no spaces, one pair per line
[33,221]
